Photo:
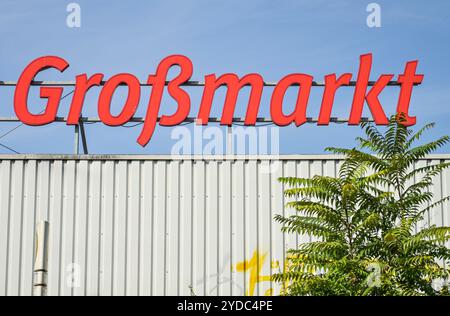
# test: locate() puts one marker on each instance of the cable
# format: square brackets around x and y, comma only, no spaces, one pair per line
[140,123]
[131,126]
[22,124]
[186,123]
[256,125]
[10,131]
[9,148]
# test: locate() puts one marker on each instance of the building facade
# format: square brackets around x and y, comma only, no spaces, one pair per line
[156,225]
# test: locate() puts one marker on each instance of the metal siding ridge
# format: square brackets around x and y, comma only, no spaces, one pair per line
[94,229]
[146,229]
[225,250]
[29,224]
[133,225]
[120,229]
[186,231]
[16,222]
[55,237]
[5,216]
[238,228]
[107,229]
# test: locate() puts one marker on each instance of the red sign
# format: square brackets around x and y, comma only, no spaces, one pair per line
[407,80]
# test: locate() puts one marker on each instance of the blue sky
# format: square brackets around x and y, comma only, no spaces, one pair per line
[273,38]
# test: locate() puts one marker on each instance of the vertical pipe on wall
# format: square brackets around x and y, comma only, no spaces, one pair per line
[41,263]
[77,140]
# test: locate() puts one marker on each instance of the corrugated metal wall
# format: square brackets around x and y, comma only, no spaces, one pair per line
[154,225]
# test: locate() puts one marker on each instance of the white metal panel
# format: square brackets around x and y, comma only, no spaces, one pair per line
[315,169]
[146,229]
[437,213]
[159,231]
[94,230]
[446,193]
[251,227]
[303,171]
[5,189]
[68,272]
[107,228]
[225,229]
[173,228]
[265,220]
[81,210]
[212,228]
[133,227]
[120,228]
[199,224]
[28,240]
[186,229]
[147,226]
[55,231]
[15,229]
[43,189]
[239,281]
[290,170]
[278,248]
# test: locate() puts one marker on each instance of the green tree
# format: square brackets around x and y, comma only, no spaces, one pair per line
[368,222]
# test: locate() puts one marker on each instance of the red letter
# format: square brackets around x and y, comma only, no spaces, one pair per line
[372,97]
[158,82]
[276,104]
[104,104]
[52,94]
[408,79]
[331,85]
[234,85]
[82,86]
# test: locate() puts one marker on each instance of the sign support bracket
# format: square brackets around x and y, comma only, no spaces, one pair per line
[80,131]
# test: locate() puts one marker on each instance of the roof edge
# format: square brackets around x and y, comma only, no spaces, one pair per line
[188,157]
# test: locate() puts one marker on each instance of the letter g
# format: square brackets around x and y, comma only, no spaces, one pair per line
[52,94]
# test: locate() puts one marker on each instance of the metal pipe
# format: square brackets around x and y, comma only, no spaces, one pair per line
[188,120]
[83,138]
[77,140]
[41,263]
[186,84]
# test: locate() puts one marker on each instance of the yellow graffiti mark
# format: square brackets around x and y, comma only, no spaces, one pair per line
[275,264]
[269,292]
[254,266]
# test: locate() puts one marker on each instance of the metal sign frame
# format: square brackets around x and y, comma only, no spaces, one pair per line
[79,130]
